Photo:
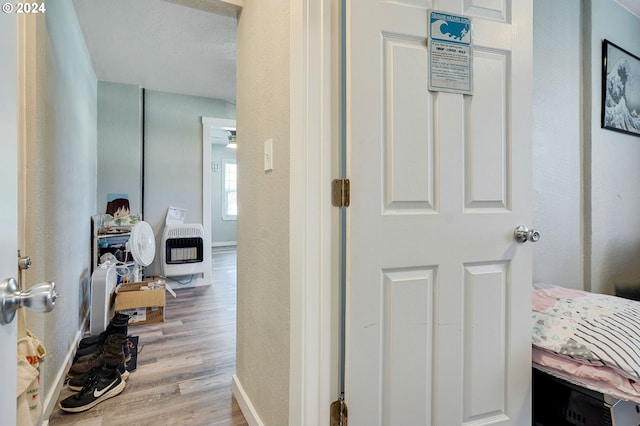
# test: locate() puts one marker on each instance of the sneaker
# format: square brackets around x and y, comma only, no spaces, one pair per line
[78,382]
[105,383]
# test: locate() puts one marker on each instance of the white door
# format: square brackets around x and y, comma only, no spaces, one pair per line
[8,208]
[438,292]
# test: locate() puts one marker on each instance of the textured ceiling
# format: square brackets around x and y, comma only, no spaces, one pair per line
[177,46]
[632,5]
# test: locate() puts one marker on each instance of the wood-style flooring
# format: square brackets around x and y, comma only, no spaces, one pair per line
[185,364]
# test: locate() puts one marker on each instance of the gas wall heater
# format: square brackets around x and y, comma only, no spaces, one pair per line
[182,249]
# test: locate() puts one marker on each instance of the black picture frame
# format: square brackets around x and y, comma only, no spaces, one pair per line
[620,89]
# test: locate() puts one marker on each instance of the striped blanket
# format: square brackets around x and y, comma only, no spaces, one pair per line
[587,338]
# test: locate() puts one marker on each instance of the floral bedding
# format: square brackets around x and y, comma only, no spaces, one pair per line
[588,338]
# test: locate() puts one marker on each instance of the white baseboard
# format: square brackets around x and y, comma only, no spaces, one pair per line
[49,401]
[224,243]
[248,411]
[188,281]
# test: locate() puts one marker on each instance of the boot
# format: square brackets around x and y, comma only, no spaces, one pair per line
[118,324]
[90,350]
[112,352]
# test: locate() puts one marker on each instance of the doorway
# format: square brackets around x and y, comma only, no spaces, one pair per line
[220,171]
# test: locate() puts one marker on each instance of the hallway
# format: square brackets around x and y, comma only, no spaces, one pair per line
[184,365]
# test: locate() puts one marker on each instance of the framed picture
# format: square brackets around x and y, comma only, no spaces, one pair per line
[620,89]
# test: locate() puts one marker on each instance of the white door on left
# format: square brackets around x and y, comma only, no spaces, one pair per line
[8,205]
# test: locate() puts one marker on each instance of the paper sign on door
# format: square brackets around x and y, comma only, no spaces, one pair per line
[450,53]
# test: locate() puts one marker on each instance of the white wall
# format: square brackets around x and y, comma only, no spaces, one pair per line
[611,159]
[61,179]
[119,143]
[557,159]
[586,179]
[263,220]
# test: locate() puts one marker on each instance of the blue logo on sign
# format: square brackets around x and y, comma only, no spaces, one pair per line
[450,28]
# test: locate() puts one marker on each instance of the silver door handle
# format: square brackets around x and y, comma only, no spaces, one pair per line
[39,298]
[522,234]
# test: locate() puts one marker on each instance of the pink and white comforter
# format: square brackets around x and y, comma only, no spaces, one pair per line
[589,339]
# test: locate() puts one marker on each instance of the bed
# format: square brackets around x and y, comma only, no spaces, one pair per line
[586,358]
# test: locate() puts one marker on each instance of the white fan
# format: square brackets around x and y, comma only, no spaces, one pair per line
[142,246]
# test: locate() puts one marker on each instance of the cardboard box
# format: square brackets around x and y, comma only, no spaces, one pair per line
[143,305]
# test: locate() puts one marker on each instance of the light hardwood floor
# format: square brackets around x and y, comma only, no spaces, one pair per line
[185,363]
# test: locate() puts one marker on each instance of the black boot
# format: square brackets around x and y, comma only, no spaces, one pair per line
[112,350]
[83,352]
[118,324]
[98,347]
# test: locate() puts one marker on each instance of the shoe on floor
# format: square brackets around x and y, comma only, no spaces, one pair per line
[105,383]
[90,350]
[78,382]
[111,352]
[118,324]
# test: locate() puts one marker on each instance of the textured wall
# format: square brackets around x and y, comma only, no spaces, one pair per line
[61,176]
[557,173]
[586,181]
[263,220]
[119,143]
[612,161]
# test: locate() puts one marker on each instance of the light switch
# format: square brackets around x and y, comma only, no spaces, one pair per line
[268,155]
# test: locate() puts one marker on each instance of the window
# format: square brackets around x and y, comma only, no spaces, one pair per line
[230,192]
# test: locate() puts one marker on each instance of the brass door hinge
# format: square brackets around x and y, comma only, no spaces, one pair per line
[340,193]
[339,413]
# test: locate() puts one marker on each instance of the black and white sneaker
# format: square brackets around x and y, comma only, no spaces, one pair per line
[106,382]
[78,382]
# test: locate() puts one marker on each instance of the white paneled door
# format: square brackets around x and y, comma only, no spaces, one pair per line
[438,291]
[8,207]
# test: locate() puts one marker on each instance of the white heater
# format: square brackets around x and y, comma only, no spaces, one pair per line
[182,249]
[103,282]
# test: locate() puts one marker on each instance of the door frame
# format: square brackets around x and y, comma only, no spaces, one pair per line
[11,84]
[314,223]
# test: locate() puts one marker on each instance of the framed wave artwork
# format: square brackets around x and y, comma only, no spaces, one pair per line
[620,89]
